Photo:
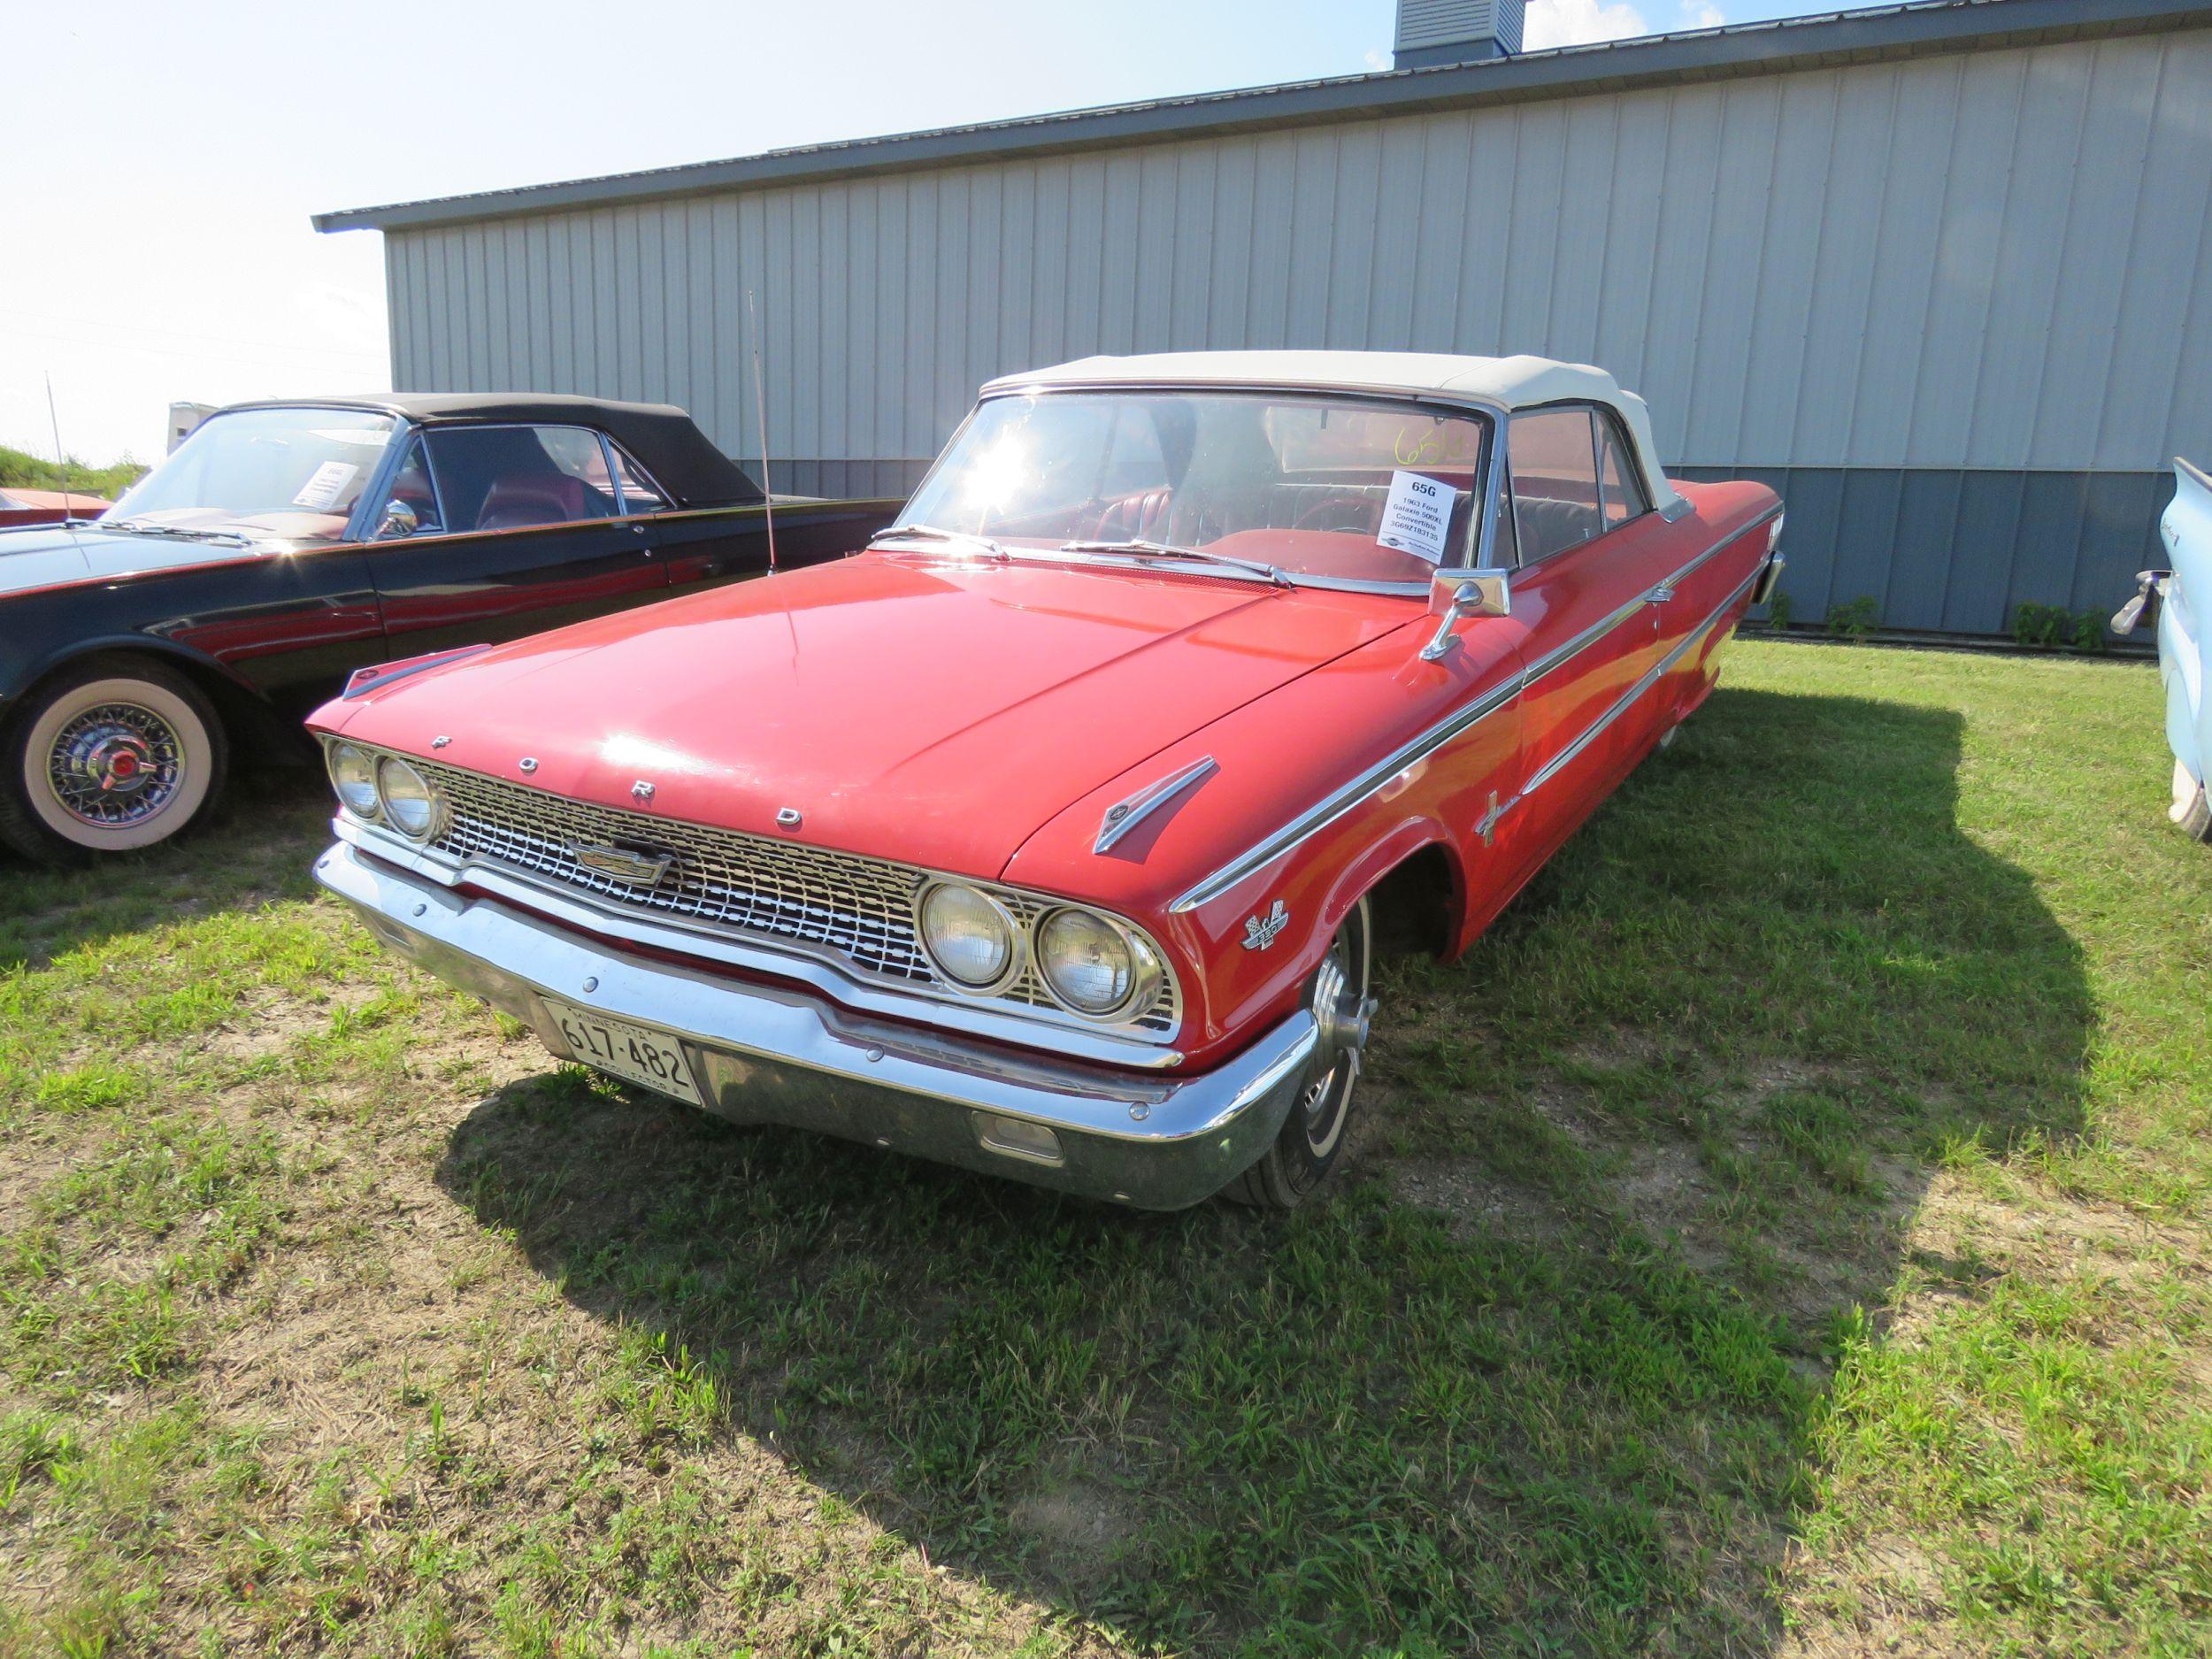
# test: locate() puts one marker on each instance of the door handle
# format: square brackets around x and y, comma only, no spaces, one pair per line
[1659,596]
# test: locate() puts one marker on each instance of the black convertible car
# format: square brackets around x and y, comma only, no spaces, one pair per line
[285,544]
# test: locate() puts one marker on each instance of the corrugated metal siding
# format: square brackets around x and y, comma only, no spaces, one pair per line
[1442,22]
[1987,262]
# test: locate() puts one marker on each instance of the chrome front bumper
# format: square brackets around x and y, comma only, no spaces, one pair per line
[765,1055]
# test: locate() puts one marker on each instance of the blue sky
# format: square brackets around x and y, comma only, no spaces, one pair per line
[166,158]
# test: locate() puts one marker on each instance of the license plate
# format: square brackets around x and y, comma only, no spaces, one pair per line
[637,1054]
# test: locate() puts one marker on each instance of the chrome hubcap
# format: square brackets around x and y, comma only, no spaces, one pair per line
[115,765]
[1343,1014]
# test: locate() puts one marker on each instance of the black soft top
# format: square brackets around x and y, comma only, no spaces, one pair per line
[660,437]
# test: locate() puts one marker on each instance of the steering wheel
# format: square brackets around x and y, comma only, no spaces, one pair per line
[1336,508]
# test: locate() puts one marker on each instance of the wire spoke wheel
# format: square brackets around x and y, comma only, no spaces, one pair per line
[113,757]
[115,765]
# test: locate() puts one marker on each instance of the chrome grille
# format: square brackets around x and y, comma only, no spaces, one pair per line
[860,909]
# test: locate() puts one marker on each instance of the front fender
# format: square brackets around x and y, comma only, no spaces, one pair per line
[26,658]
[1348,725]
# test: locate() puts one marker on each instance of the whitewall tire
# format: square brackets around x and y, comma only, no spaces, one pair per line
[108,757]
[2190,809]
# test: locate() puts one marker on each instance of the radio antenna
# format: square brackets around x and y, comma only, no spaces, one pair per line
[760,412]
[60,460]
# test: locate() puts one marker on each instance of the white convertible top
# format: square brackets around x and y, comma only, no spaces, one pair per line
[1517,383]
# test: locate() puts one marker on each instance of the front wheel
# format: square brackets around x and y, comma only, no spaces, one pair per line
[109,756]
[2190,809]
[1312,1137]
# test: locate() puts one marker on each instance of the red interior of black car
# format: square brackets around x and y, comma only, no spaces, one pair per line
[534,498]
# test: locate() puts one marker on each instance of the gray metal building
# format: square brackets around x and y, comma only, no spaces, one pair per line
[1938,271]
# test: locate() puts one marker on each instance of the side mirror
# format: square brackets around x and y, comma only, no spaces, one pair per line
[399,519]
[1465,593]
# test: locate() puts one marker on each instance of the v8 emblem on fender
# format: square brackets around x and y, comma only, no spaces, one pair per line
[1261,931]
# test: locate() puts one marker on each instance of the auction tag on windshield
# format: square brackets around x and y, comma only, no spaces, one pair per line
[1418,517]
[320,493]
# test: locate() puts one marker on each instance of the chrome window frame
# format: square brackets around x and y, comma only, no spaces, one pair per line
[1481,525]
[1607,422]
[412,431]
[363,530]
[1597,481]
[622,496]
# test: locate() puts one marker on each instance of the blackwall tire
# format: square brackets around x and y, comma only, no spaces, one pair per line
[108,757]
[1312,1137]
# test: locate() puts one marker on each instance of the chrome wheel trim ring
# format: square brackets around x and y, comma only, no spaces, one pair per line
[1324,1108]
[117,764]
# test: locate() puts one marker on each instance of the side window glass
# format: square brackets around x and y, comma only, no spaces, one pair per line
[510,478]
[412,489]
[1555,481]
[639,494]
[1625,496]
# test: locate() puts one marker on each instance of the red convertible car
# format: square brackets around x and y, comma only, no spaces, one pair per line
[1042,837]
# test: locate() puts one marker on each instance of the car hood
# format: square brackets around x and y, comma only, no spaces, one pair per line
[933,711]
[44,556]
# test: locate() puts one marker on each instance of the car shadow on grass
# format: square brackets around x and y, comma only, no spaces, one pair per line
[1697,1082]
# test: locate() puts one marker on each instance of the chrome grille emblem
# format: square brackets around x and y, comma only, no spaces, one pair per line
[632,866]
[641,791]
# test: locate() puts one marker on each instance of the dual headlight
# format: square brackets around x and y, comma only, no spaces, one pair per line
[373,787]
[1091,964]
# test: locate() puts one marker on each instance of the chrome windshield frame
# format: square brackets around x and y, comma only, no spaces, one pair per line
[1482,528]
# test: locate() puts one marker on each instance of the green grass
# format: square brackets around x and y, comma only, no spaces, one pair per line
[1786,1233]
[107,482]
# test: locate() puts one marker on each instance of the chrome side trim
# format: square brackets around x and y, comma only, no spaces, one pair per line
[1561,655]
[1124,816]
[1657,672]
[788,960]
[1340,801]
[1335,805]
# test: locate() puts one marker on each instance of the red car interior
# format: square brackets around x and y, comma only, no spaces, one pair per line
[516,500]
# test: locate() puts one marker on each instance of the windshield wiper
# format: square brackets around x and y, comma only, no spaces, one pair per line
[140,527]
[931,533]
[1141,549]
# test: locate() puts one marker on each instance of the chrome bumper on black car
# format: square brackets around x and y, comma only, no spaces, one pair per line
[765,1055]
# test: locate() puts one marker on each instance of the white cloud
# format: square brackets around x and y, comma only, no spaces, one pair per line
[1579,22]
[1696,14]
[1377,58]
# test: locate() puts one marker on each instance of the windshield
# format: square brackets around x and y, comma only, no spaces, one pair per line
[293,474]
[1318,487]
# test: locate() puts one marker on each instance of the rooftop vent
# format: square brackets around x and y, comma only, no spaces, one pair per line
[1456,31]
